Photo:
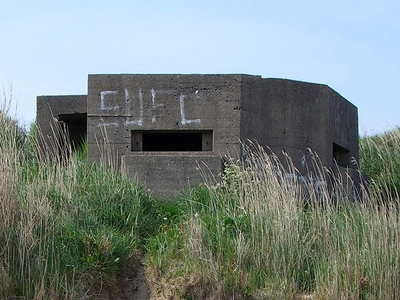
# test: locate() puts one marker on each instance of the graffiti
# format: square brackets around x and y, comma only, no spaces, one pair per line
[104,124]
[138,111]
[103,106]
[129,120]
[185,121]
[156,105]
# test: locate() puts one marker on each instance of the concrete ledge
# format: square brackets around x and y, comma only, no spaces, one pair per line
[167,174]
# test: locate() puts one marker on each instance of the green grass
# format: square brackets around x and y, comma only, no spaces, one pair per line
[64,224]
[67,227]
[380,160]
[251,237]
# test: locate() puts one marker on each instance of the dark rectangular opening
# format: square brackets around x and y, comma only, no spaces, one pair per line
[341,155]
[171,140]
[76,124]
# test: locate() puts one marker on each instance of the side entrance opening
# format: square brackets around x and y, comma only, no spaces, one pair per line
[341,155]
[77,127]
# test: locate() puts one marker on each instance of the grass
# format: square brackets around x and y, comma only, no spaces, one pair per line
[380,160]
[264,231]
[65,225]
[251,237]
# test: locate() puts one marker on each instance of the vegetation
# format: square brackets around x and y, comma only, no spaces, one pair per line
[263,232]
[65,226]
[380,160]
[251,237]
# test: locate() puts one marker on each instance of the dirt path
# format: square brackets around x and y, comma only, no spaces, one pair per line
[130,284]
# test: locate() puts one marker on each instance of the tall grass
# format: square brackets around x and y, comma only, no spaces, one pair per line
[253,237]
[263,232]
[380,160]
[9,208]
[66,227]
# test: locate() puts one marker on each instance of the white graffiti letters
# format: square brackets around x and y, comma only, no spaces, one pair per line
[134,108]
[129,119]
[185,121]
[103,95]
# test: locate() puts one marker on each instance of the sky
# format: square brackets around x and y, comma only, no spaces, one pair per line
[49,47]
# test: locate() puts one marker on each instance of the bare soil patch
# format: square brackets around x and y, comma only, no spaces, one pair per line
[129,284]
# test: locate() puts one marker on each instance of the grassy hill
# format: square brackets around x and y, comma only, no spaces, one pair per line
[69,230]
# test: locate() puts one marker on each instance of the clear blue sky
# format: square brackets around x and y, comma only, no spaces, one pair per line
[49,47]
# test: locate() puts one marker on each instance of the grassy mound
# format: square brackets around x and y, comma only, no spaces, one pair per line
[65,225]
[251,237]
[67,228]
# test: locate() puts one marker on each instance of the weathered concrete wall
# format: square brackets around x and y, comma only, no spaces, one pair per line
[294,116]
[130,106]
[70,110]
[174,172]
[343,124]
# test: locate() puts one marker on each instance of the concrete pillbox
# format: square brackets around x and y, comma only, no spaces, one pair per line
[165,128]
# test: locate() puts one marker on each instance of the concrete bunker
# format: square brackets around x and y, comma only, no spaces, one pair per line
[166,128]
